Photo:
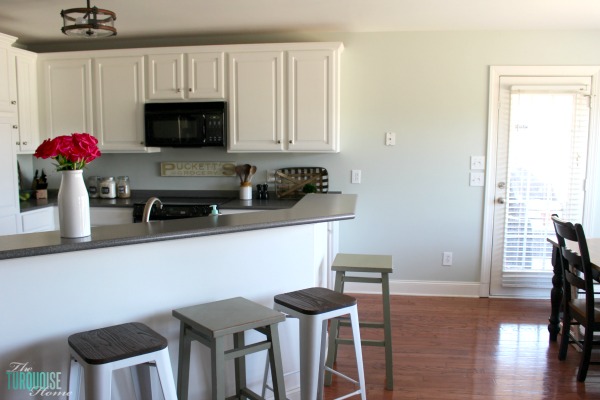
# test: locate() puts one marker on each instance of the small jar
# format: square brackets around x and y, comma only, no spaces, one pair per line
[246,191]
[108,188]
[92,186]
[123,189]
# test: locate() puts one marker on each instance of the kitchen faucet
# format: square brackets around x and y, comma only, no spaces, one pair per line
[148,208]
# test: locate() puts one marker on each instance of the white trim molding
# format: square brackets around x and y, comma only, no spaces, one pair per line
[419,288]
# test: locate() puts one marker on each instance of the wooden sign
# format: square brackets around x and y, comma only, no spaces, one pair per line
[197,168]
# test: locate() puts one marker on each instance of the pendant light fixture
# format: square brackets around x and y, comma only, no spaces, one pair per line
[90,22]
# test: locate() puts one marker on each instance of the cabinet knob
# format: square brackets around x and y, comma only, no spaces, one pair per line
[18,143]
[190,90]
[15,127]
[13,102]
[24,143]
[279,141]
[291,142]
[178,90]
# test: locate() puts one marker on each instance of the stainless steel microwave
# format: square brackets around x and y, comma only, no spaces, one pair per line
[193,124]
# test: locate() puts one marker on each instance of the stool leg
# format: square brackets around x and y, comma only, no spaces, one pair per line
[276,365]
[310,336]
[142,384]
[334,331]
[358,351]
[217,361]
[165,374]
[183,369]
[74,382]
[240,364]
[98,381]
[387,326]
[323,349]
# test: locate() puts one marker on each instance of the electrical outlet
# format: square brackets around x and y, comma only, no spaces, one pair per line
[355,176]
[390,139]
[477,162]
[447,258]
[476,179]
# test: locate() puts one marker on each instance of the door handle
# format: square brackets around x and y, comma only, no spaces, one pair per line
[501,200]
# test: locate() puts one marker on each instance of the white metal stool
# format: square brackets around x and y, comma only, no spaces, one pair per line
[314,307]
[101,351]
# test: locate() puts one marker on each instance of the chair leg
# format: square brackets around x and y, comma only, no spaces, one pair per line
[183,373]
[564,339]
[334,331]
[240,364]
[217,351]
[277,375]
[165,375]
[310,337]
[387,326]
[141,381]
[586,354]
[74,381]
[358,351]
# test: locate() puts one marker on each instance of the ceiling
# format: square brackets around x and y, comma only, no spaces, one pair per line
[36,22]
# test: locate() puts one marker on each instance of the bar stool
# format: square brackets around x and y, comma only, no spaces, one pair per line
[314,307]
[101,351]
[363,263]
[210,324]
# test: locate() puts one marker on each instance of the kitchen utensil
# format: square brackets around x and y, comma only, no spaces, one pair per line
[239,170]
[247,168]
[252,172]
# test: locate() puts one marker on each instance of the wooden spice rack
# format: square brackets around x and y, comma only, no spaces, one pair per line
[289,182]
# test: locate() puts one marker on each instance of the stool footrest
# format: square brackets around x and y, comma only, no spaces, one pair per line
[365,342]
[333,371]
[245,393]
[363,324]
[247,349]
[361,279]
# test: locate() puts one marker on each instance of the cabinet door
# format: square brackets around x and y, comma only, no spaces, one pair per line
[42,220]
[256,101]
[9,189]
[206,75]
[67,96]
[312,108]
[165,76]
[100,216]
[29,130]
[119,94]
[8,101]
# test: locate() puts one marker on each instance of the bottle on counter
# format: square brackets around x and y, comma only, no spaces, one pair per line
[108,188]
[93,183]
[123,188]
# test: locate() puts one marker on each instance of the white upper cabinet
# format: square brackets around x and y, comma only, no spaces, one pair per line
[312,101]
[119,103]
[285,101]
[27,101]
[9,187]
[256,101]
[66,91]
[8,94]
[179,76]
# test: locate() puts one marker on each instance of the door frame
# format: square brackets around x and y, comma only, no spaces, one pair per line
[592,192]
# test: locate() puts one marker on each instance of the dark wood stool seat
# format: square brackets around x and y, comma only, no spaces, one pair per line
[316,300]
[100,351]
[345,267]
[210,324]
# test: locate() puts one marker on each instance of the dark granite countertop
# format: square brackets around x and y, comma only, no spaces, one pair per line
[228,200]
[313,208]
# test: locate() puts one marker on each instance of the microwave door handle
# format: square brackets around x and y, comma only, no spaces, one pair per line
[203,129]
[179,128]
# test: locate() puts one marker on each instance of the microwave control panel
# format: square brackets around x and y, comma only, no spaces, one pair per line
[214,129]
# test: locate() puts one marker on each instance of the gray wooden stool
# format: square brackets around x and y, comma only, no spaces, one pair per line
[372,264]
[101,351]
[210,324]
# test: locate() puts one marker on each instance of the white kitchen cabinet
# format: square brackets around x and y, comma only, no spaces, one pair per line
[178,76]
[119,103]
[9,186]
[100,216]
[8,101]
[301,116]
[40,220]
[66,91]
[256,101]
[28,132]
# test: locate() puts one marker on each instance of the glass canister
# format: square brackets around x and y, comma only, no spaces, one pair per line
[123,188]
[93,183]
[108,188]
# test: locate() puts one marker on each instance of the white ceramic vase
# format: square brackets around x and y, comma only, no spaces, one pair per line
[73,205]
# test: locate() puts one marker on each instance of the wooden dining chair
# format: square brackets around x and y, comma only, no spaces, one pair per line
[584,311]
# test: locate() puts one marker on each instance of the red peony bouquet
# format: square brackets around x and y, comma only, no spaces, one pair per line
[70,151]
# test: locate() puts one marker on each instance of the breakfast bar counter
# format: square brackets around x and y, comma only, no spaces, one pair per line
[51,288]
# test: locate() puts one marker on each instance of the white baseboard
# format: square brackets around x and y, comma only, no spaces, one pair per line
[419,288]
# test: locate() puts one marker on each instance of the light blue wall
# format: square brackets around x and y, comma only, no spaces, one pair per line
[431,88]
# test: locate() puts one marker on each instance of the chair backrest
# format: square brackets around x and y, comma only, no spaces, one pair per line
[576,265]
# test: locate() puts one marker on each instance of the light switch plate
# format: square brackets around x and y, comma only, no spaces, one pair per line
[477,162]
[477,178]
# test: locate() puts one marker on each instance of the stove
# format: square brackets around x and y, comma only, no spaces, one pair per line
[178,208]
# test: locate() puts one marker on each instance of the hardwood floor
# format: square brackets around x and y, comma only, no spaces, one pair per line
[466,348]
